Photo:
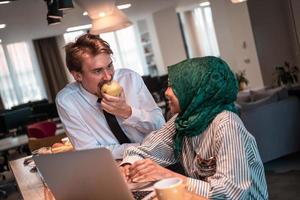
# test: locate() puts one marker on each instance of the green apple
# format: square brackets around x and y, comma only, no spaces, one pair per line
[112,88]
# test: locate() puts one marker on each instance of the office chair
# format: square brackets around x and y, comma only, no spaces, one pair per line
[29,104]
[41,129]
[14,119]
[46,108]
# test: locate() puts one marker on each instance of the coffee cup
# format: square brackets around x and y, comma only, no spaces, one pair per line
[170,189]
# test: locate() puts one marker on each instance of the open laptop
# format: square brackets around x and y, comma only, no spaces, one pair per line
[88,174]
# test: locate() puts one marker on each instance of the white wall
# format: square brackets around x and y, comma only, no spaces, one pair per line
[169,37]
[233,30]
[295,6]
[273,35]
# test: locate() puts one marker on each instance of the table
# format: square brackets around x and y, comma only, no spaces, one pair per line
[32,187]
[30,184]
[13,142]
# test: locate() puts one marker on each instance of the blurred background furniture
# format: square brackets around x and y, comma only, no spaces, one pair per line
[157,86]
[272,117]
[14,120]
[41,129]
[36,143]
[49,109]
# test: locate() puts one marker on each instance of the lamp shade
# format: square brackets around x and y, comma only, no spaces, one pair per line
[94,7]
[53,11]
[109,22]
[65,4]
[237,1]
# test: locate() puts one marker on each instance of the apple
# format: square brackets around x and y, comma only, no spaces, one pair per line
[112,88]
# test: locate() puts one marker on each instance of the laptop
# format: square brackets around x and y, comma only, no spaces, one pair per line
[87,174]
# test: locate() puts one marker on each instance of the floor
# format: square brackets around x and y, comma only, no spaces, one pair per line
[282,175]
[284,164]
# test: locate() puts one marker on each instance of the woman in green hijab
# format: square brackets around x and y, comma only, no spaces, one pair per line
[219,156]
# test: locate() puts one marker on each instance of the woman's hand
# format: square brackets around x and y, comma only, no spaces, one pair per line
[125,171]
[147,170]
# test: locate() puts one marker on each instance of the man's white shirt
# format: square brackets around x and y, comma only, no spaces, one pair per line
[86,125]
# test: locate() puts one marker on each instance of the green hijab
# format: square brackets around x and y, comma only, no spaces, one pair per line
[204,87]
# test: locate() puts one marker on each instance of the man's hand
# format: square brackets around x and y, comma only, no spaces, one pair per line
[147,170]
[125,171]
[116,105]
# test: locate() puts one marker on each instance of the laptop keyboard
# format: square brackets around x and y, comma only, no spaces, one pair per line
[139,195]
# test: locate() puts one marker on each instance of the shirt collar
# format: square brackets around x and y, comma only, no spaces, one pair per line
[91,98]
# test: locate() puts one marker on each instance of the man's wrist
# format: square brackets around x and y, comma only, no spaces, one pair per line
[128,112]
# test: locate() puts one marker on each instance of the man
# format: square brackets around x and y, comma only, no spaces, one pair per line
[83,108]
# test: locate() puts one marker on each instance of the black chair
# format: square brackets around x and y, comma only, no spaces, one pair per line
[29,104]
[14,119]
[153,86]
[45,108]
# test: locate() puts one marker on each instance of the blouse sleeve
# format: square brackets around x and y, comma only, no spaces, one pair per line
[157,146]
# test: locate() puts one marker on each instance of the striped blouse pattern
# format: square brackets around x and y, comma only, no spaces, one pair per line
[237,172]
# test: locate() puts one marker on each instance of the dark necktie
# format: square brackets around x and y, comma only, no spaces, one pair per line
[115,127]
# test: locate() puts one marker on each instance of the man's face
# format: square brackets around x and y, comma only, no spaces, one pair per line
[96,70]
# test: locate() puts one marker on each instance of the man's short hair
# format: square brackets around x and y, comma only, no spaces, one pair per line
[85,44]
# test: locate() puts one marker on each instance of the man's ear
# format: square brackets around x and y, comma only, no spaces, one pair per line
[77,76]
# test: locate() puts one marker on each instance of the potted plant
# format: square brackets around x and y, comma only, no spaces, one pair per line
[242,80]
[286,75]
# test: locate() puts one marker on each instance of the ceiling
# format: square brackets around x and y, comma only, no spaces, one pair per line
[26,19]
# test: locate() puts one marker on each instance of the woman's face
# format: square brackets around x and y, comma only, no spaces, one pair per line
[172,101]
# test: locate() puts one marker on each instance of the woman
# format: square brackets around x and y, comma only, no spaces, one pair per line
[218,154]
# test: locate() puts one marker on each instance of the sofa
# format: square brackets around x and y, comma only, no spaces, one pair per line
[272,116]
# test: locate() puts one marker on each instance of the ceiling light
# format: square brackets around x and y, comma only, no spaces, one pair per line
[77,28]
[0,41]
[4,2]
[114,21]
[53,21]
[85,13]
[237,1]
[203,4]
[2,25]
[94,7]
[65,4]
[124,6]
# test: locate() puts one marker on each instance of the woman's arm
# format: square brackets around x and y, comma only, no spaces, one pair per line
[158,146]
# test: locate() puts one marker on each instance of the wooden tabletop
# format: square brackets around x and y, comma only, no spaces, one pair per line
[30,184]
[32,187]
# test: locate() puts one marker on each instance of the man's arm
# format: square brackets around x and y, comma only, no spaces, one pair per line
[146,115]
[135,105]
[78,132]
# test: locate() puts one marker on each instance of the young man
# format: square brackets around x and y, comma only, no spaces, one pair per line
[83,108]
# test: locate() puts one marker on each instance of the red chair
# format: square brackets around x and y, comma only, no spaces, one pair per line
[42,129]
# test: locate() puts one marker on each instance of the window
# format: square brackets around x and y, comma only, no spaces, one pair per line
[19,76]
[126,54]
[199,32]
